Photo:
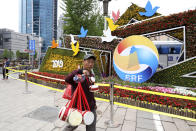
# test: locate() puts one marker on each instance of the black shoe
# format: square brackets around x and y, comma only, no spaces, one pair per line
[70,128]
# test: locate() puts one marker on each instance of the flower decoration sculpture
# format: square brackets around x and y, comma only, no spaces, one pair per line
[54,44]
[115,16]
[149,11]
[112,26]
[83,32]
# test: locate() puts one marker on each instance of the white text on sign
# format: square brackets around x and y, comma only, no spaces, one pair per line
[133,78]
[57,63]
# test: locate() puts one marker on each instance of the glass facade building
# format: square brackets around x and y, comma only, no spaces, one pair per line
[39,16]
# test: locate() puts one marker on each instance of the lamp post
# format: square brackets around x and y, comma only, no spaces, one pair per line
[111,122]
[39,52]
[105,11]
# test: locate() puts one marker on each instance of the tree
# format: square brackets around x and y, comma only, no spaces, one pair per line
[35,56]
[18,54]
[9,54]
[82,13]
[5,53]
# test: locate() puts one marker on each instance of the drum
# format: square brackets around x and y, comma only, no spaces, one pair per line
[64,113]
[92,79]
[88,117]
[75,117]
[94,88]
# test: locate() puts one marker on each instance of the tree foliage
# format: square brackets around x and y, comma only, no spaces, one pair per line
[7,53]
[84,13]
[17,54]
[21,55]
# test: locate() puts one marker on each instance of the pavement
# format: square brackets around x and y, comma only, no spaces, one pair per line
[38,111]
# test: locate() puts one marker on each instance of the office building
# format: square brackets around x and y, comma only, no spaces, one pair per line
[39,17]
[14,41]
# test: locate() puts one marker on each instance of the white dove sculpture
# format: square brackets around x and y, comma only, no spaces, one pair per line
[72,39]
[108,37]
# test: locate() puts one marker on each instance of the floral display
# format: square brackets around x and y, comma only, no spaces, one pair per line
[101,61]
[57,76]
[163,100]
[172,105]
[174,75]
[186,19]
[67,62]
[133,12]
[184,91]
[70,63]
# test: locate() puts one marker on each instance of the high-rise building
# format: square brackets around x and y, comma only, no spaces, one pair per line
[39,17]
[61,23]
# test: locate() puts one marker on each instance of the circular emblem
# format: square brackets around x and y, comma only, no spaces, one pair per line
[135,59]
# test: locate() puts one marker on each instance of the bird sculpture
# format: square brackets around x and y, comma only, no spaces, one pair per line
[149,11]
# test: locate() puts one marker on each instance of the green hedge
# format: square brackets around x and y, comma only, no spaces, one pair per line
[173,75]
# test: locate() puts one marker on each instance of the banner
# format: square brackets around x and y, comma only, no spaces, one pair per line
[32,46]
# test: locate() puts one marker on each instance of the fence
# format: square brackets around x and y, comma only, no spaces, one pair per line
[185,114]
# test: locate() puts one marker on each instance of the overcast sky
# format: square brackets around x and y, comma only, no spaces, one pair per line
[9,9]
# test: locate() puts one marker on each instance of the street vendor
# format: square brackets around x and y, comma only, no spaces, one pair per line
[88,64]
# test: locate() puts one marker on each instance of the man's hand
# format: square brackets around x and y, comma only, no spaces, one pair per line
[86,72]
[80,77]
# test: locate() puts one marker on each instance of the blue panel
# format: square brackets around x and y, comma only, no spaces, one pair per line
[164,50]
[177,50]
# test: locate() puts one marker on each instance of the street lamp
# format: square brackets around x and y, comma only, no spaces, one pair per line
[105,6]
[105,11]
[39,52]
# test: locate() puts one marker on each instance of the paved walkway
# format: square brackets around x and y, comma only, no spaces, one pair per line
[38,111]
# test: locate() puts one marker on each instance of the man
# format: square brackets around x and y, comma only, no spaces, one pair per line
[6,63]
[88,64]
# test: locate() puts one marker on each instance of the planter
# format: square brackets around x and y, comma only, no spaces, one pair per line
[39,81]
[30,79]
[21,77]
[34,80]
[44,83]
[152,106]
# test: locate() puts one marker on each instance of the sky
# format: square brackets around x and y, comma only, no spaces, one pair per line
[9,9]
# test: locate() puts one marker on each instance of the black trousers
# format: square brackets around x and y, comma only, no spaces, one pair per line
[5,71]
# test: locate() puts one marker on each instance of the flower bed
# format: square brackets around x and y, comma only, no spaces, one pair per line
[163,100]
[150,105]
[155,102]
[172,105]
[60,84]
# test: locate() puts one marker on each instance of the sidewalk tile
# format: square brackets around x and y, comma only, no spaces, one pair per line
[191,123]
[130,115]
[168,126]
[193,128]
[166,118]
[181,125]
[129,126]
[144,114]
[141,129]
